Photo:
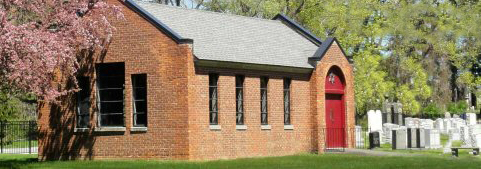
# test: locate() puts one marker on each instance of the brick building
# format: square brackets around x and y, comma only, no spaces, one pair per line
[188,84]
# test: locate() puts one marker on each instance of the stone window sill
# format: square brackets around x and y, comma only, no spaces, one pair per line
[80,130]
[288,127]
[214,127]
[241,127]
[141,129]
[266,127]
[109,129]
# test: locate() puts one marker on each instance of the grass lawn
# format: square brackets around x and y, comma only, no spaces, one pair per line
[327,161]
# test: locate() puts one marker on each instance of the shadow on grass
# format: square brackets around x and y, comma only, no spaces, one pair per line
[16,163]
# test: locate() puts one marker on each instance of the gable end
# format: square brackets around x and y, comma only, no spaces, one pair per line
[324,47]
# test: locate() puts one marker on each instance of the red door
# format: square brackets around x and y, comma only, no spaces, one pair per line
[335,120]
[335,137]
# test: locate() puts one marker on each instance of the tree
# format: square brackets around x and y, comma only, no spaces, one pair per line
[40,40]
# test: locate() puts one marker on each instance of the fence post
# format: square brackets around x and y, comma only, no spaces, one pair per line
[29,137]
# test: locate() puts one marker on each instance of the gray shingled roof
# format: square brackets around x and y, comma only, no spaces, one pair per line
[233,38]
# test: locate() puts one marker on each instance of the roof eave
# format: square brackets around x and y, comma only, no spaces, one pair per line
[251,66]
[157,23]
[303,31]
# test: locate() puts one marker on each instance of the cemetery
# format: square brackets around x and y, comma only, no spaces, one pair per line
[447,135]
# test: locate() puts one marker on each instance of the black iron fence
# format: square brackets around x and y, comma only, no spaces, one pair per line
[18,137]
[338,139]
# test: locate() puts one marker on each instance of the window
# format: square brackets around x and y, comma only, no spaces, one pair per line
[83,102]
[110,92]
[139,93]
[213,110]
[239,92]
[287,101]
[264,82]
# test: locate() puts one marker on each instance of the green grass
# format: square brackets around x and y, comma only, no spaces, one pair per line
[444,139]
[327,161]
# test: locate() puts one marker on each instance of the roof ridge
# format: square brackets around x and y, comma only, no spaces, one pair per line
[206,11]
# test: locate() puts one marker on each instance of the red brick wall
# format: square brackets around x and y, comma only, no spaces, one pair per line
[231,143]
[144,49]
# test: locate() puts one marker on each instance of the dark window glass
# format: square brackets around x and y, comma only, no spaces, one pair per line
[264,82]
[110,92]
[139,88]
[213,110]
[83,102]
[239,90]
[287,101]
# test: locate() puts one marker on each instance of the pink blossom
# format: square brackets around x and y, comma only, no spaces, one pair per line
[40,40]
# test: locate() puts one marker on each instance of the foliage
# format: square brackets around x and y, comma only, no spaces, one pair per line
[15,105]
[370,84]
[413,52]
[432,110]
[458,107]
[41,39]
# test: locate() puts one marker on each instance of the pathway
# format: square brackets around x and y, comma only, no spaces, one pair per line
[378,153]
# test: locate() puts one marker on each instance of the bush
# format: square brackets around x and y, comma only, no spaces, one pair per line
[458,108]
[432,110]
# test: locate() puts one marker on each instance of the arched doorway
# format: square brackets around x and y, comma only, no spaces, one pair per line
[335,109]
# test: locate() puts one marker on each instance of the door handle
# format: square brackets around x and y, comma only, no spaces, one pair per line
[330,115]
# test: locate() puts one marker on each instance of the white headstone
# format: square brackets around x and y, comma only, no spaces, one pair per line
[360,136]
[400,141]
[411,122]
[470,118]
[427,124]
[455,116]
[387,131]
[464,136]
[447,115]
[454,135]
[432,138]
[374,120]
[447,126]
[439,125]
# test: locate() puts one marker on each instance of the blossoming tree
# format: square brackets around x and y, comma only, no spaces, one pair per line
[41,40]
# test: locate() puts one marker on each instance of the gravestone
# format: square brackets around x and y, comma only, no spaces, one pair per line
[470,118]
[464,136]
[386,111]
[409,122]
[374,140]
[447,126]
[387,132]
[439,125]
[374,120]
[455,116]
[359,137]
[475,133]
[427,124]
[432,138]
[412,134]
[447,115]
[399,136]
[454,134]
[421,138]
[398,114]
